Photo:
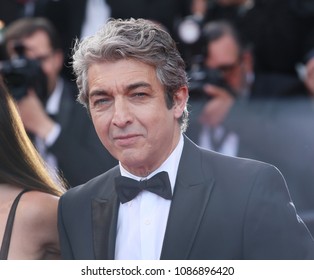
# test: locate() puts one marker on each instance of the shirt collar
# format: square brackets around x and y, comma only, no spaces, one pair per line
[170,165]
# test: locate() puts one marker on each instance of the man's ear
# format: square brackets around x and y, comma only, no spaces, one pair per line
[180,100]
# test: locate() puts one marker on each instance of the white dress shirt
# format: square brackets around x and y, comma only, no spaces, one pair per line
[142,221]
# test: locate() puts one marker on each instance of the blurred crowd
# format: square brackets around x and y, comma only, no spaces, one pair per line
[251,70]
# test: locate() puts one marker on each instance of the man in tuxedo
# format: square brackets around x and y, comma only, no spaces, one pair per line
[59,126]
[167,198]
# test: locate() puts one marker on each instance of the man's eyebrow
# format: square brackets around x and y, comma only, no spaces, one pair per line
[97,92]
[137,85]
[102,92]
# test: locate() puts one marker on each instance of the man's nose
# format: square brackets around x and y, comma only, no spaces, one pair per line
[122,115]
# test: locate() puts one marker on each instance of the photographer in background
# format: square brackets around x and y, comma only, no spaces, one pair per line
[59,126]
[230,83]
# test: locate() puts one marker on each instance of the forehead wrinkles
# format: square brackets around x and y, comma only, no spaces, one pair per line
[120,77]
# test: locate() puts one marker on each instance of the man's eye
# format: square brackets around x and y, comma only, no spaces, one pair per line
[140,94]
[100,102]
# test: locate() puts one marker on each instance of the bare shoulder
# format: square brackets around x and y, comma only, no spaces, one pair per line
[35,200]
[35,234]
[37,207]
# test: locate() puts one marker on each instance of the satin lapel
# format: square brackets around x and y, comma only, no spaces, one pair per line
[191,196]
[104,213]
[104,218]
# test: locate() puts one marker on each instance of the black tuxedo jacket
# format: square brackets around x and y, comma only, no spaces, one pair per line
[222,208]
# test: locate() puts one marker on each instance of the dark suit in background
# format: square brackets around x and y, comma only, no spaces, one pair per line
[212,216]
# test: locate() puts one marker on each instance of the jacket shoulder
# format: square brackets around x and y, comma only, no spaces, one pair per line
[99,186]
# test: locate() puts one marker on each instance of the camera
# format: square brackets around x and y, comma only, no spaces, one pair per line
[200,75]
[21,74]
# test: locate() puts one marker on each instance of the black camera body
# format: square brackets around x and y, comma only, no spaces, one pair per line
[21,74]
[200,76]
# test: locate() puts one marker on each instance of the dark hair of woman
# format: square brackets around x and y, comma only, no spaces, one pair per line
[20,164]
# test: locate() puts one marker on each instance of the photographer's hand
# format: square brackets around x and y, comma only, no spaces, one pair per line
[217,108]
[34,116]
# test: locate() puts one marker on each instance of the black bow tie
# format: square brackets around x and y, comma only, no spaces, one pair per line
[128,188]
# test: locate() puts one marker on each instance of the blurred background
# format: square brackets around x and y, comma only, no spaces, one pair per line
[250,64]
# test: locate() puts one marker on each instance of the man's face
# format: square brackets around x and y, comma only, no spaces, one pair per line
[129,112]
[37,46]
[223,54]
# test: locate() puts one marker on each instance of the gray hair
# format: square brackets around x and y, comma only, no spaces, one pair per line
[138,39]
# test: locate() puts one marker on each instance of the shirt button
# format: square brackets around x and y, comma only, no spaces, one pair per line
[147,222]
